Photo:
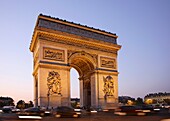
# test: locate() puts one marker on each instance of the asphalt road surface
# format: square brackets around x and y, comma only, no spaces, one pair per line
[101,116]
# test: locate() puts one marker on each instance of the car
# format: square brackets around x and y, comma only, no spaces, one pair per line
[99,109]
[92,110]
[33,111]
[129,110]
[147,109]
[47,110]
[7,109]
[78,110]
[157,109]
[10,109]
[1,110]
[65,111]
[15,110]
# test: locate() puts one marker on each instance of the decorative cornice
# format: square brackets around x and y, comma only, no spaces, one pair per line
[47,64]
[107,71]
[53,63]
[72,24]
[77,41]
[75,30]
[49,24]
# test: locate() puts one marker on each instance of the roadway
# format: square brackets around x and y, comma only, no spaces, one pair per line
[100,116]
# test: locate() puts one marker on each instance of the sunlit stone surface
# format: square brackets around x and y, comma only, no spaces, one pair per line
[57,46]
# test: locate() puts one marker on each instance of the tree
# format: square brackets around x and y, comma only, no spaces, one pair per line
[6,101]
[20,104]
[28,105]
[139,101]
[31,104]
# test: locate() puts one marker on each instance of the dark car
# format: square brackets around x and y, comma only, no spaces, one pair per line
[6,109]
[129,110]
[91,110]
[65,111]
[33,111]
[10,109]
[148,109]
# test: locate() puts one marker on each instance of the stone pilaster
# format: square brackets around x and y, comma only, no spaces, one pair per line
[81,93]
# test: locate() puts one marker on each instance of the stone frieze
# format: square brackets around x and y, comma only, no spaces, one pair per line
[74,43]
[108,62]
[75,31]
[53,54]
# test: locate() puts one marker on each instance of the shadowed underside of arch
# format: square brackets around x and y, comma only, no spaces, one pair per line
[83,62]
[82,65]
[85,65]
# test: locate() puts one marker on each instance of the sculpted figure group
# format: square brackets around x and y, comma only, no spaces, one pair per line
[108,86]
[54,83]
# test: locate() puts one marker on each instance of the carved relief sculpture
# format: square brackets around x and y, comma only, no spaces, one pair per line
[53,54]
[108,62]
[108,86]
[54,83]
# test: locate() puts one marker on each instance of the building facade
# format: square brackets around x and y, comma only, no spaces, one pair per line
[157,98]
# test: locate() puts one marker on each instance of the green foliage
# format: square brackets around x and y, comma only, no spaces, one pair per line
[20,104]
[74,105]
[6,101]
[30,104]
[139,101]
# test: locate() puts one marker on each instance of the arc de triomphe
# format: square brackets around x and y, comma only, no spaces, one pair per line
[57,46]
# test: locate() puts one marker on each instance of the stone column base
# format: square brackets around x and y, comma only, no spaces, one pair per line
[54,101]
[111,103]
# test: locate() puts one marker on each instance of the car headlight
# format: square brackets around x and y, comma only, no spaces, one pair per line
[77,109]
[93,111]
[156,109]
[47,111]
[78,113]
[146,111]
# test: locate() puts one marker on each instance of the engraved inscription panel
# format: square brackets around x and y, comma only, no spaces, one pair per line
[53,54]
[108,62]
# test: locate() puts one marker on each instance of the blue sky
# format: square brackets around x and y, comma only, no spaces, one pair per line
[143,27]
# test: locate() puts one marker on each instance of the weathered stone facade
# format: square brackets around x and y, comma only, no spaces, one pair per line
[57,46]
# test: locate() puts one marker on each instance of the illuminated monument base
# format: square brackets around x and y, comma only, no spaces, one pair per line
[57,46]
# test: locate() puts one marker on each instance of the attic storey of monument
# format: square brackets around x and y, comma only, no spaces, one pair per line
[59,45]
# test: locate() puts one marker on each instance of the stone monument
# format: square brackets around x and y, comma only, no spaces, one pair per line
[57,46]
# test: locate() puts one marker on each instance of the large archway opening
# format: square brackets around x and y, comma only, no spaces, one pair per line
[74,84]
[83,65]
